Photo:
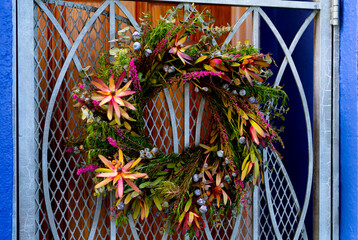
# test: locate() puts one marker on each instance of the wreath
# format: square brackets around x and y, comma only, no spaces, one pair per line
[211,178]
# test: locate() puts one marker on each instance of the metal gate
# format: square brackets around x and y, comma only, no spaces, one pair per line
[56,39]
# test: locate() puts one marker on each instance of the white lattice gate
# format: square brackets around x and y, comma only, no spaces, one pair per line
[55,203]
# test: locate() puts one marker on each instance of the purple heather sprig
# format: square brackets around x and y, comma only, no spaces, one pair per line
[223,134]
[194,75]
[89,168]
[112,141]
[120,132]
[133,72]
[163,42]
[70,150]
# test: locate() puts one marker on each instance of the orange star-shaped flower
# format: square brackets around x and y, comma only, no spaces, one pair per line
[118,172]
[113,94]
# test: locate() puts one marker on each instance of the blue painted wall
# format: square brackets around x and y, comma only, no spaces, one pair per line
[349,119]
[6,139]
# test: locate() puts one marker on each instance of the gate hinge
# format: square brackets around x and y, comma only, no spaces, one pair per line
[335,12]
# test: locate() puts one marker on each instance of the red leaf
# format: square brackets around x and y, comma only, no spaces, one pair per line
[254,135]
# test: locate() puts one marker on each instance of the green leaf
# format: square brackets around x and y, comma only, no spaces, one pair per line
[161,173]
[136,210]
[127,126]
[181,217]
[208,68]
[256,169]
[103,170]
[127,199]
[85,69]
[144,185]
[171,165]
[200,59]
[158,180]
[134,194]
[204,146]
[188,204]
[245,171]
[225,197]
[157,203]
[235,64]
[245,160]
[252,155]
[229,114]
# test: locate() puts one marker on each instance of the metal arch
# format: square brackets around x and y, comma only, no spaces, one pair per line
[133,228]
[172,120]
[48,118]
[252,3]
[87,8]
[307,119]
[293,45]
[207,229]
[199,121]
[129,15]
[238,25]
[96,217]
[255,194]
[237,224]
[282,168]
[59,30]
[186,115]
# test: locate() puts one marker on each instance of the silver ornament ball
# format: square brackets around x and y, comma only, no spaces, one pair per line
[195,178]
[120,206]
[148,52]
[136,35]
[242,92]
[197,192]
[252,99]
[200,201]
[242,140]
[220,153]
[203,209]
[136,46]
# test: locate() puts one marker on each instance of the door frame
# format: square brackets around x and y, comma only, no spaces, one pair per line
[325,114]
